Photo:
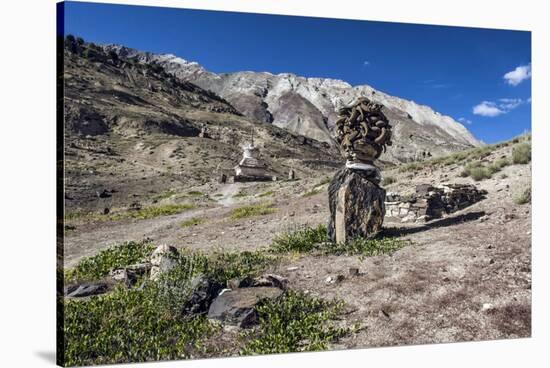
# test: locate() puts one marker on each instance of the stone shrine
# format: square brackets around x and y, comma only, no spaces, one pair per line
[251,167]
[356,200]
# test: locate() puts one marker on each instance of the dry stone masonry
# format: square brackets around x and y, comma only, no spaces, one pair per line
[430,202]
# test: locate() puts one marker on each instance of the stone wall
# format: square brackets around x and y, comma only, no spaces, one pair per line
[429,202]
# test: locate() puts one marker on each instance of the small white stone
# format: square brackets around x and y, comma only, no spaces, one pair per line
[487,306]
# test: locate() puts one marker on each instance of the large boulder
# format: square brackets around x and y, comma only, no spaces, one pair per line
[203,291]
[163,260]
[356,205]
[238,307]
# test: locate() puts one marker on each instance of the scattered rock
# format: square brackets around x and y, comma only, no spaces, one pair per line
[264,280]
[130,274]
[238,307]
[334,279]
[163,259]
[86,289]
[293,268]
[203,291]
[291,174]
[353,271]
[104,194]
[487,307]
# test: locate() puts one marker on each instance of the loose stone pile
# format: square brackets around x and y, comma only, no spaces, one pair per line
[430,202]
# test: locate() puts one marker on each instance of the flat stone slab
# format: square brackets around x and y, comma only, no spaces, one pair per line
[237,307]
[87,289]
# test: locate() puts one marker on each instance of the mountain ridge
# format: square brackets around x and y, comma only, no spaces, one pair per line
[257,95]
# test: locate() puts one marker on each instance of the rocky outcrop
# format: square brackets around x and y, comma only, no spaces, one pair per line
[163,260]
[356,206]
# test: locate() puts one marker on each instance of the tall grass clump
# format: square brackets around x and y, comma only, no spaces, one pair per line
[521,153]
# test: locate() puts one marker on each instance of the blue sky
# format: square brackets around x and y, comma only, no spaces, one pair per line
[480,76]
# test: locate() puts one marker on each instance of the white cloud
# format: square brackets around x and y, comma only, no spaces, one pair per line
[465,121]
[492,109]
[366,63]
[510,103]
[518,75]
[487,108]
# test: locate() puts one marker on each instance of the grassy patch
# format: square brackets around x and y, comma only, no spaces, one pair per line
[192,222]
[141,214]
[388,180]
[266,194]
[164,195]
[98,266]
[523,197]
[155,211]
[129,326]
[296,322]
[521,153]
[301,240]
[194,193]
[323,181]
[312,192]
[309,239]
[413,166]
[478,171]
[252,210]
[146,323]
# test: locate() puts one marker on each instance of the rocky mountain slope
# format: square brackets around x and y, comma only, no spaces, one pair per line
[133,131]
[307,106]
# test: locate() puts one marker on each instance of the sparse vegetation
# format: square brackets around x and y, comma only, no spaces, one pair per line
[99,265]
[524,196]
[316,239]
[300,240]
[252,210]
[164,195]
[194,193]
[521,154]
[139,214]
[129,326]
[477,171]
[266,194]
[297,322]
[192,222]
[312,192]
[388,180]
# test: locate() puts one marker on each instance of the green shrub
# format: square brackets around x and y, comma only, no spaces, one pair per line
[523,197]
[296,322]
[98,266]
[301,240]
[252,210]
[479,173]
[521,154]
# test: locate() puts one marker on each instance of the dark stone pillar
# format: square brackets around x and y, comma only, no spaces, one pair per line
[356,204]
